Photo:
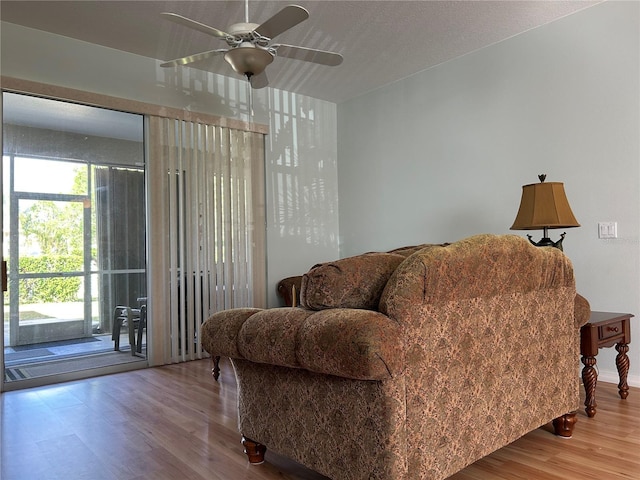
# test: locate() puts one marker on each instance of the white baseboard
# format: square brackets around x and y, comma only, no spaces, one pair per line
[612,377]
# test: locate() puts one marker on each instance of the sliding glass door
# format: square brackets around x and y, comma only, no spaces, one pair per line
[74,238]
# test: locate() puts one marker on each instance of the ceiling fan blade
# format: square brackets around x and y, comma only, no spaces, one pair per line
[286,18]
[193,58]
[259,81]
[309,55]
[201,27]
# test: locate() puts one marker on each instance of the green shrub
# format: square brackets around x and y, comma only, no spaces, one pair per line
[50,290]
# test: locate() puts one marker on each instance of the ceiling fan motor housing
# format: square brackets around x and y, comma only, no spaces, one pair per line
[248,59]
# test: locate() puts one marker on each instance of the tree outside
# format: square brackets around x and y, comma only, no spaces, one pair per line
[52,237]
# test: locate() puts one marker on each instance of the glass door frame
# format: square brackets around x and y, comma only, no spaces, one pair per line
[4,273]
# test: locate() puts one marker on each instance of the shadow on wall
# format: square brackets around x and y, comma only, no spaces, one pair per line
[300,177]
[300,155]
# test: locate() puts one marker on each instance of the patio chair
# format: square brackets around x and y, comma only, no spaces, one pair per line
[133,318]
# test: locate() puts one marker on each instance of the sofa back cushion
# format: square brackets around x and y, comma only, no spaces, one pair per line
[353,282]
[408,251]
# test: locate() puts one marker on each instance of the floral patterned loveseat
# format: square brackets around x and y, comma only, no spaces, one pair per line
[410,364]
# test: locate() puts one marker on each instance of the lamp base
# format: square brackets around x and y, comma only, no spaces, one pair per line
[547,242]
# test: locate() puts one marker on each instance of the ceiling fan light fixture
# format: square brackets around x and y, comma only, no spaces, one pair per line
[248,60]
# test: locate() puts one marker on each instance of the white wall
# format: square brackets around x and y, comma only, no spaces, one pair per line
[302,215]
[443,154]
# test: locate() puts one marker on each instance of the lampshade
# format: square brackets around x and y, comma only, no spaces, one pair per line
[544,205]
[248,60]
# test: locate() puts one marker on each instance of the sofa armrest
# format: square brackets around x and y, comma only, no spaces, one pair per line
[351,343]
[581,310]
[220,332]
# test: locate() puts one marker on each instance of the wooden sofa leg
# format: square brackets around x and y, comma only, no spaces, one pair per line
[215,370]
[254,450]
[563,426]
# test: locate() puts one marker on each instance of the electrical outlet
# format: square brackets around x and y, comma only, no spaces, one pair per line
[607,229]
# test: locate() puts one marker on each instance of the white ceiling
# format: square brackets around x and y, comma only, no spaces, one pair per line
[25,110]
[381,41]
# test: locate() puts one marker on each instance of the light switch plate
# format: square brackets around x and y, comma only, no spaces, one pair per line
[607,229]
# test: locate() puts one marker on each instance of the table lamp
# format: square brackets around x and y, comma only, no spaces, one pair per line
[543,206]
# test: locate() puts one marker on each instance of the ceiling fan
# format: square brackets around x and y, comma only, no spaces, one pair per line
[250,48]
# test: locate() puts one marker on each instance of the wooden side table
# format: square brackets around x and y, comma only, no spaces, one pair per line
[604,329]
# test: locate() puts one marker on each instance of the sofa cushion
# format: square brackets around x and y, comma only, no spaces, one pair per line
[351,343]
[441,275]
[353,282]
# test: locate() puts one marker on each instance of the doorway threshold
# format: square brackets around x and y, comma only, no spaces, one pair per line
[54,362]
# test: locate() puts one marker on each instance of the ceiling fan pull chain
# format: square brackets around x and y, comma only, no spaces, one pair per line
[250,86]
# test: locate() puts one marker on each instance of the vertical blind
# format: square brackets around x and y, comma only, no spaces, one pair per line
[206,230]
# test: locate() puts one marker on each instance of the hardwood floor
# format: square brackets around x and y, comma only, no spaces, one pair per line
[175,423]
